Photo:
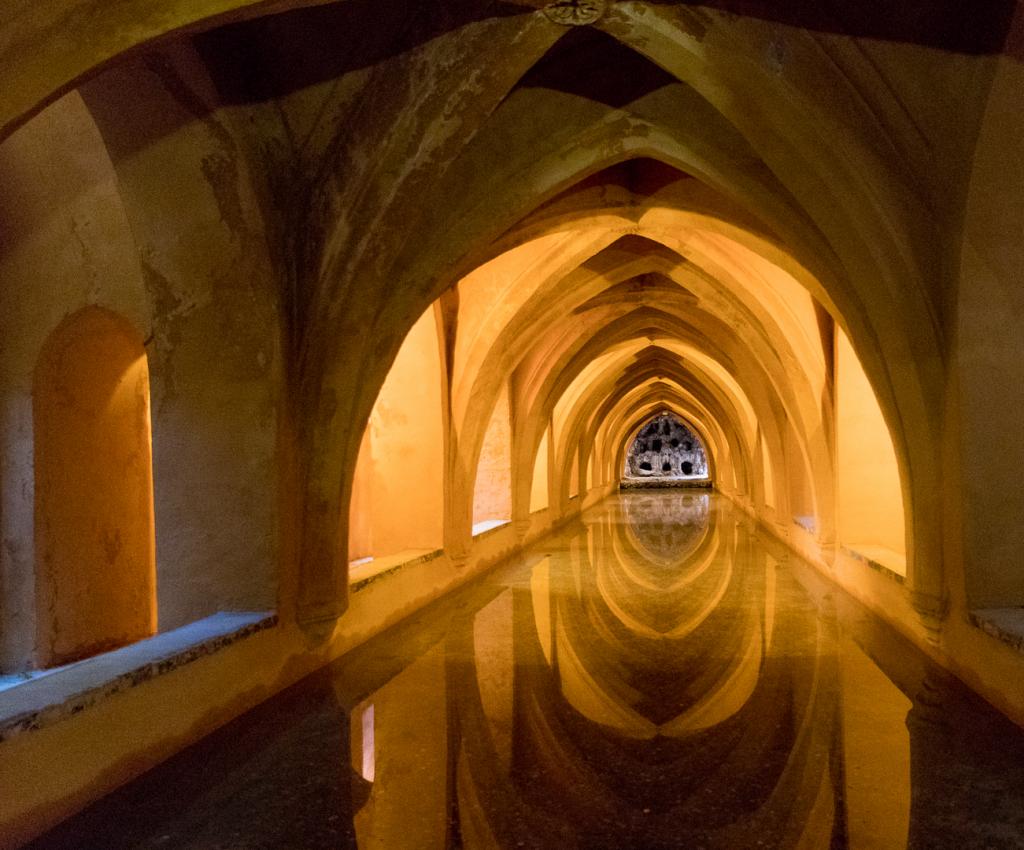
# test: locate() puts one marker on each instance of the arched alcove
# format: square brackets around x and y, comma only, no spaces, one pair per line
[95,549]
[539,486]
[666,448]
[397,500]
[869,497]
[492,493]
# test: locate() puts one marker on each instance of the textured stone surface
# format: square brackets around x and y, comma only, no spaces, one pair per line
[375,569]
[1007,624]
[665,448]
[48,699]
[575,12]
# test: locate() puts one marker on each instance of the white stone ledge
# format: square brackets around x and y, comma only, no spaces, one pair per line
[1005,624]
[890,564]
[807,523]
[48,698]
[488,525]
[367,571]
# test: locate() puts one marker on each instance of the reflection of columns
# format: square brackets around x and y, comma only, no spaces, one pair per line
[451,708]
[876,752]
[965,768]
[934,769]
[522,618]
[407,801]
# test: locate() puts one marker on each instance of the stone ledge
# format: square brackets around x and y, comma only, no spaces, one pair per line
[488,526]
[807,523]
[876,558]
[665,483]
[370,571]
[52,697]
[1005,624]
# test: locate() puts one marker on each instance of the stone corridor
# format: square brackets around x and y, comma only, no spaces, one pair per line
[511,423]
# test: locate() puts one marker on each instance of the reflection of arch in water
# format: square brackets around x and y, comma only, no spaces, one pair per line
[613,624]
[665,526]
[656,611]
[767,753]
[634,571]
[654,596]
[643,627]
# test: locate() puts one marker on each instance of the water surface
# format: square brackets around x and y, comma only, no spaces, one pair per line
[657,675]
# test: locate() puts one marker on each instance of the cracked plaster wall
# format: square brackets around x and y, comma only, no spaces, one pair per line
[90,218]
[66,243]
[215,349]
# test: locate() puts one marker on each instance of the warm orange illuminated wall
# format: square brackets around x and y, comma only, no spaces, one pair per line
[539,487]
[360,521]
[801,494]
[492,495]
[767,472]
[870,504]
[95,561]
[398,492]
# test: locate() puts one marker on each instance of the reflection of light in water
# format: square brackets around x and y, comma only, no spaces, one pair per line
[655,678]
[369,755]
[665,525]
[540,589]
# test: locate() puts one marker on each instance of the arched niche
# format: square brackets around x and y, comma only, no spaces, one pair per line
[868,494]
[492,492]
[94,532]
[397,500]
[539,483]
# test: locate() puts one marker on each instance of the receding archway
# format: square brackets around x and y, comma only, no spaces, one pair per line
[94,533]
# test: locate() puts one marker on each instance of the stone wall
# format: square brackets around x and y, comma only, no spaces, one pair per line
[666,448]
